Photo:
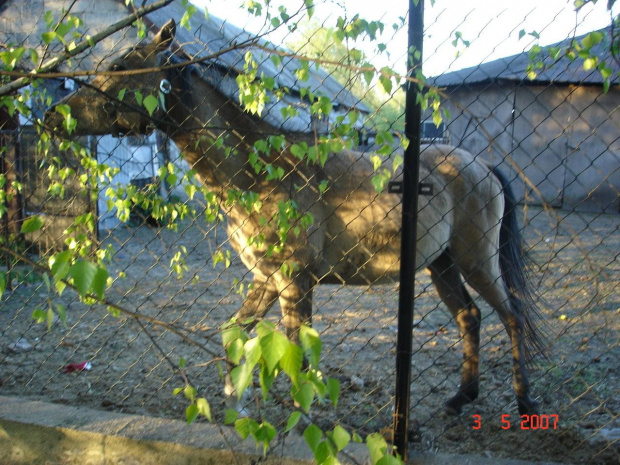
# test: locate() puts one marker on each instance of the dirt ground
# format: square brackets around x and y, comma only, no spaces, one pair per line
[133,364]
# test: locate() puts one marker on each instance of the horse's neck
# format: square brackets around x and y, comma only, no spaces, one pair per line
[203,134]
[216,137]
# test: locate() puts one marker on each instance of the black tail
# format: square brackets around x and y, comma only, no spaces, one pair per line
[514,264]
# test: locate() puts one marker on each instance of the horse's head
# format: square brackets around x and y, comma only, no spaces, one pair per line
[116,103]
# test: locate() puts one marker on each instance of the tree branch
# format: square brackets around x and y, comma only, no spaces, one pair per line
[86,44]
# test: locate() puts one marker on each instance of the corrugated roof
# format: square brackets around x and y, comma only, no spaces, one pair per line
[209,36]
[513,68]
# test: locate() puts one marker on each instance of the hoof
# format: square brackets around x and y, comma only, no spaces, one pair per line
[451,410]
[527,406]
[454,406]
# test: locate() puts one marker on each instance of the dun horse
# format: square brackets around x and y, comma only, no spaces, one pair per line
[467,229]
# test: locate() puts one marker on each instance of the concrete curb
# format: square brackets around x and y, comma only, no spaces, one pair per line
[33,431]
[37,432]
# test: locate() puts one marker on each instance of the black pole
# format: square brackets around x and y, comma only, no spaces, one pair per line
[413,120]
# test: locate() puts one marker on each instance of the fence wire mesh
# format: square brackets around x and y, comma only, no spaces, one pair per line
[552,132]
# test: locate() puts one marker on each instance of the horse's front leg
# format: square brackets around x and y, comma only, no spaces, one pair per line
[296,303]
[255,306]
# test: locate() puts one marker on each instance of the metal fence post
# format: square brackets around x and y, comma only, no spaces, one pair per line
[413,118]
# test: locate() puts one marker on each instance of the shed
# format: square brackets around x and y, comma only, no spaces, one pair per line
[561,128]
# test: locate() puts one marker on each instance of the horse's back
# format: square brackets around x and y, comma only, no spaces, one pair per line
[477,202]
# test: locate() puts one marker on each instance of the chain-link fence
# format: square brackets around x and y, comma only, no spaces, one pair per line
[180,264]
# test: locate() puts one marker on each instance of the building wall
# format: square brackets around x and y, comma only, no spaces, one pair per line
[23,23]
[564,139]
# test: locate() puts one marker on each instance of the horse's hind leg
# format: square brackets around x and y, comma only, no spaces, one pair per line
[449,284]
[487,281]
[256,304]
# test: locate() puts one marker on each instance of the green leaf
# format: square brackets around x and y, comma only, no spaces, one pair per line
[311,344]
[235,351]
[232,333]
[309,7]
[63,109]
[48,37]
[3,283]
[324,453]
[265,434]
[304,396]
[32,224]
[62,313]
[245,427]
[191,413]
[389,459]
[151,103]
[592,39]
[190,392]
[39,315]
[204,408]
[189,12]
[376,446]
[313,435]
[341,437]
[252,351]
[273,346]
[292,361]
[60,265]
[293,419]
[299,150]
[83,274]
[386,83]
[100,281]
[266,378]
[230,416]
[333,390]
[241,378]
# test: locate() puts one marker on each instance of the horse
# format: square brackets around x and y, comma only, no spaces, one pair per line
[467,230]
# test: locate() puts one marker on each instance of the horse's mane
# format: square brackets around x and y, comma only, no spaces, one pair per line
[223,79]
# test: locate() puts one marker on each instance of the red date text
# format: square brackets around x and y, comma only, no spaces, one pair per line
[525,422]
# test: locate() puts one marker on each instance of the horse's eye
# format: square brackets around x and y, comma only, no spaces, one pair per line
[116,67]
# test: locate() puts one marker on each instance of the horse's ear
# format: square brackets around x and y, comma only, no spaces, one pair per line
[163,39]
